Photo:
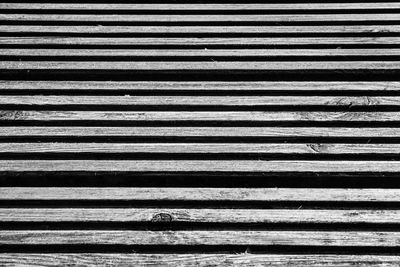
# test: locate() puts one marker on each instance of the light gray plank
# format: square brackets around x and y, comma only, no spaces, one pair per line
[203,18]
[193,6]
[292,238]
[200,85]
[200,194]
[201,131]
[198,215]
[199,100]
[197,116]
[200,148]
[201,29]
[52,40]
[199,166]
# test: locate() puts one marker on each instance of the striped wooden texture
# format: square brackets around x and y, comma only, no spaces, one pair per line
[200,133]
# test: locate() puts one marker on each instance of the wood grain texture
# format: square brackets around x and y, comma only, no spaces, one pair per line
[200,18]
[199,166]
[200,148]
[194,6]
[381,86]
[272,132]
[46,115]
[202,260]
[372,29]
[291,238]
[200,194]
[266,41]
[198,215]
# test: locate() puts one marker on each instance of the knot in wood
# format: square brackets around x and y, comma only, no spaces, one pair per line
[162,217]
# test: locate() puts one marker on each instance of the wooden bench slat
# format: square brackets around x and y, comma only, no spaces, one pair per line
[187,41]
[291,238]
[197,116]
[201,29]
[288,148]
[201,194]
[201,18]
[201,131]
[198,166]
[198,215]
[383,86]
[194,6]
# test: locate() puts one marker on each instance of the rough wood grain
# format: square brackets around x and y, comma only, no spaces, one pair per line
[200,194]
[144,41]
[386,132]
[231,101]
[197,116]
[199,166]
[200,148]
[200,18]
[291,238]
[201,86]
[373,29]
[198,215]
[194,6]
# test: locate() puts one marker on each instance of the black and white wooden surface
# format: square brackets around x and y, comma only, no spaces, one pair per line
[200,133]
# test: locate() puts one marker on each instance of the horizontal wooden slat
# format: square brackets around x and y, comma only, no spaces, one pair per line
[291,238]
[204,65]
[193,6]
[198,215]
[200,18]
[42,147]
[201,131]
[198,116]
[199,166]
[201,260]
[197,53]
[201,85]
[373,29]
[200,194]
[99,41]
[232,101]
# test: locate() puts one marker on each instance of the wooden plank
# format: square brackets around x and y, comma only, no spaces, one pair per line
[283,148]
[228,101]
[198,215]
[201,18]
[201,260]
[84,53]
[201,86]
[199,166]
[197,116]
[201,131]
[200,194]
[373,29]
[290,238]
[193,6]
[202,65]
[197,41]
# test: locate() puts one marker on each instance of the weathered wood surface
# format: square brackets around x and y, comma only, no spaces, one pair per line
[359,87]
[200,41]
[200,131]
[201,194]
[198,215]
[198,115]
[205,148]
[371,29]
[194,6]
[231,101]
[291,238]
[205,260]
[201,18]
[200,165]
